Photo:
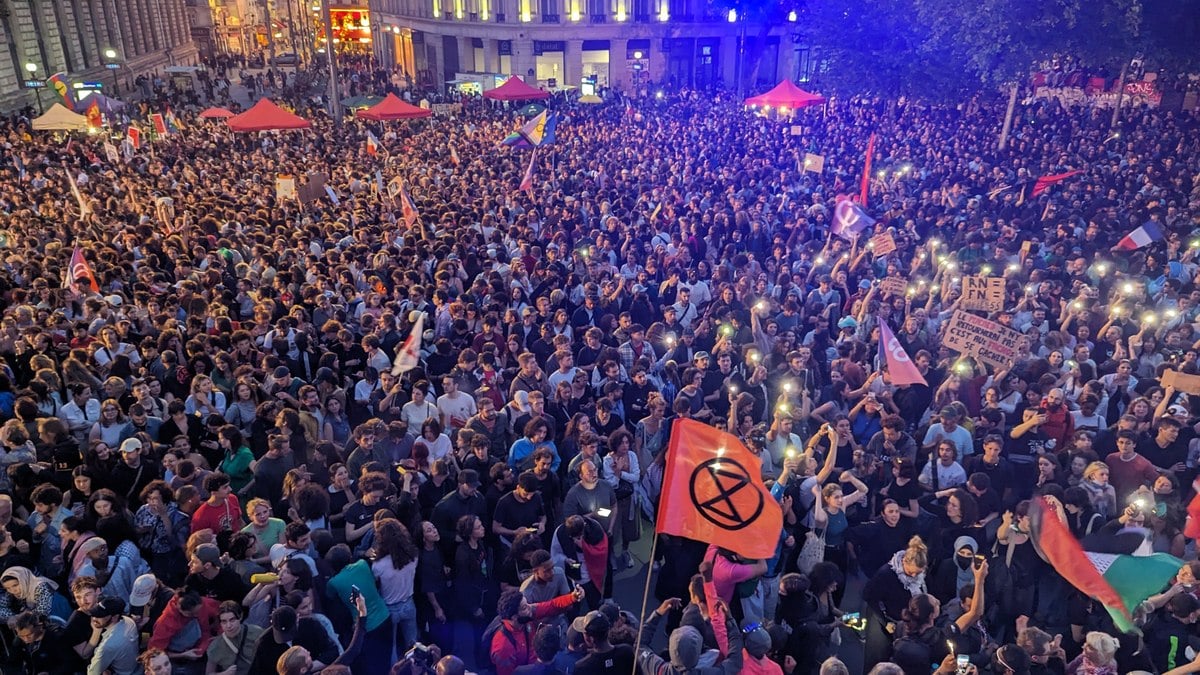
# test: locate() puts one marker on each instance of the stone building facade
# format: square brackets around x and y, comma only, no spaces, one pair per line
[73,36]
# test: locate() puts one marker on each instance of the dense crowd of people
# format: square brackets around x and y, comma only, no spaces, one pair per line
[211,465]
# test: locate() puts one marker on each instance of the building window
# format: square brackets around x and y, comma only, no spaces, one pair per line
[549,10]
[641,10]
[678,9]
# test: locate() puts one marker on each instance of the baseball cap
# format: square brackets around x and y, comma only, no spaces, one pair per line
[593,623]
[1177,410]
[848,322]
[143,590]
[701,355]
[209,553]
[757,639]
[108,606]
[131,445]
[283,623]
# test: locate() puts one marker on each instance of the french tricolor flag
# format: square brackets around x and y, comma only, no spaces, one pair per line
[1145,235]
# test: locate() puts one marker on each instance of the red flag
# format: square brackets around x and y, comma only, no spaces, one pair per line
[901,369]
[1042,184]
[94,119]
[80,269]
[866,178]
[713,492]
[1191,528]
[527,181]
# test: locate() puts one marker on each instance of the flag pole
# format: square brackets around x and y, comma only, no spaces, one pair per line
[637,643]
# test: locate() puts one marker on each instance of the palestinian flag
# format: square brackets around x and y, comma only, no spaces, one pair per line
[1118,581]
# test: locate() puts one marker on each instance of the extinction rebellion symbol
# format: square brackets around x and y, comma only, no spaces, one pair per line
[722,492]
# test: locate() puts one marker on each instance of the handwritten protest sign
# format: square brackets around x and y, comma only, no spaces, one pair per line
[894,286]
[814,163]
[883,244]
[285,187]
[984,293]
[986,340]
[1188,384]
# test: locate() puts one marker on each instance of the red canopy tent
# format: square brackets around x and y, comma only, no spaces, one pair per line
[786,95]
[393,108]
[266,116]
[216,113]
[515,89]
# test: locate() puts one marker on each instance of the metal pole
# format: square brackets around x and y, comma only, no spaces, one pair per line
[270,33]
[335,105]
[292,29]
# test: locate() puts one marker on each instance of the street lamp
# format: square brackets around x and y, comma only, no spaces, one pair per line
[35,84]
[111,62]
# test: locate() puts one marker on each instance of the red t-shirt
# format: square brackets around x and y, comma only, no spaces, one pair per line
[1127,476]
[219,518]
[763,666]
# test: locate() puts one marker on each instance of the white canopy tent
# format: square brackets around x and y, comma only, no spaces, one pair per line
[58,118]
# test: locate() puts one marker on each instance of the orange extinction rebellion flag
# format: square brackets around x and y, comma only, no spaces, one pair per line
[713,492]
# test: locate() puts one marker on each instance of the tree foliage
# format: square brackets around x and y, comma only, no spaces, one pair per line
[940,49]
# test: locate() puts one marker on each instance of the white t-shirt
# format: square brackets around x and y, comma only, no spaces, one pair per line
[456,410]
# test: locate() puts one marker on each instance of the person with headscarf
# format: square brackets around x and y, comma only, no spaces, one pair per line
[28,591]
[85,544]
[954,572]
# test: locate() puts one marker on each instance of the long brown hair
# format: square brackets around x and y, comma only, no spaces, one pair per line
[392,539]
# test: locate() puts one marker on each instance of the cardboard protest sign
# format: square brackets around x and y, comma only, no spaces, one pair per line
[983,293]
[1188,384]
[894,286]
[285,187]
[986,340]
[883,244]
[313,187]
[814,163]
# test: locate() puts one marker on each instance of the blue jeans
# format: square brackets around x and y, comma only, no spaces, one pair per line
[404,618]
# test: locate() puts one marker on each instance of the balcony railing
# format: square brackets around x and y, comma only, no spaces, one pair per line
[500,17]
[599,18]
[550,18]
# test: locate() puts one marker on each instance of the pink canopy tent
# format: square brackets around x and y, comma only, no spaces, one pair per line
[515,89]
[266,116]
[786,95]
[216,114]
[393,108]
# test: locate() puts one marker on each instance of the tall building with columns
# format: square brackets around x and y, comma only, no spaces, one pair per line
[82,38]
[558,43]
